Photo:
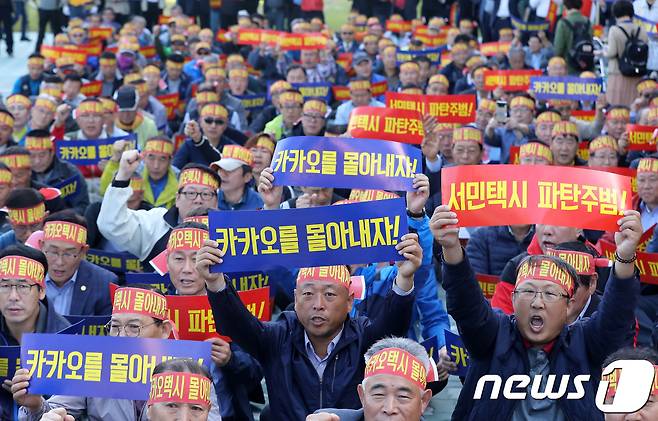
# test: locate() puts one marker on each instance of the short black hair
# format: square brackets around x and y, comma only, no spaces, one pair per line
[36,55]
[176,58]
[463,39]
[25,251]
[38,133]
[52,79]
[422,59]
[73,77]
[108,54]
[630,353]
[24,197]
[573,4]
[294,66]
[621,8]
[67,215]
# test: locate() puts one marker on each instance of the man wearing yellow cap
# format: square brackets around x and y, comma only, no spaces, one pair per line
[360,96]
[236,171]
[30,83]
[537,339]
[318,348]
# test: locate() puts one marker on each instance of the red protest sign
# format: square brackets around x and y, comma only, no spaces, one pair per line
[404,126]
[490,49]
[483,195]
[584,115]
[90,89]
[148,51]
[53,53]
[487,284]
[248,36]
[90,49]
[646,238]
[446,108]
[583,151]
[193,317]
[170,101]
[344,60]
[646,263]
[628,172]
[379,88]
[310,41]
[641,138]
[100,33]
[509,80]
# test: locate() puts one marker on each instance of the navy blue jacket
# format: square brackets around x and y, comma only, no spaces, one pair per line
[490,248]
[60,171]
[24,85]
[294,388]
[91,296]
[495,345]
[204,153]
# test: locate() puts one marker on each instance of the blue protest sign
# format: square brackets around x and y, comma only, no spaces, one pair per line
[161,282]
[345,163]
[70,187]
[432,347]
[566,87]
[293,238]
[116,262]
[457,352]
[100,366]
[318,90]
[434,54]
[87,325]
[246,281]
[252,102]
[9,361]
[530,26]
[90,151]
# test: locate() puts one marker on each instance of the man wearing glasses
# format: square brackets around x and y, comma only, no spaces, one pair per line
[145,233]
[236,171]
[206,138]
[73,285]
[291,111]
[346,44]
[537,339]
[128,320]
[313,121]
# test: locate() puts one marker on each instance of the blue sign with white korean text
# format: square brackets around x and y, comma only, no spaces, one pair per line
[90,151]
[100,366]
[253,102]
[432,347]
[321,236]
[566,87]
[457,352]
[345,163]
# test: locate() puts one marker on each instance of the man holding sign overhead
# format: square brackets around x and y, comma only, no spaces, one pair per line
[312,357]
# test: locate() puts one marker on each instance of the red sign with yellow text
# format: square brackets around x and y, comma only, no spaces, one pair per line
[341,93]
[487,284]
[446,108]
[584,115]
[646,263]
[398,26]
[170,101]
[509,80]
[310,41]
[490,49]
[101,33]
[53,53]
[193,317]
[641,138]
[484,195]
[404,126]
[91,89]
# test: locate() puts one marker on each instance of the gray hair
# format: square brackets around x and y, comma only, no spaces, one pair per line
[515,50]
[406,344]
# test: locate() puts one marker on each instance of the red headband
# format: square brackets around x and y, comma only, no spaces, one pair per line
[65,231]
[19,267]
[186,239]
[545,270]
[140,301]
[336,274]
[397,362]
[181,388]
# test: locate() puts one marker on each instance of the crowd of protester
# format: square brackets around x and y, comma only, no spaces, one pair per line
[321,356]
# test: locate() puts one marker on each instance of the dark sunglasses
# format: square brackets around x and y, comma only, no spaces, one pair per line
[217,121]
[347,33]
[203,52]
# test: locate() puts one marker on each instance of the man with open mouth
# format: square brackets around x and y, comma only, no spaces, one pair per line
[537,339]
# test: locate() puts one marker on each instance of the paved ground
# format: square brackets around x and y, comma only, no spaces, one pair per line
[13,67]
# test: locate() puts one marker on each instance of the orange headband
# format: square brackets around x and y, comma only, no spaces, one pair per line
[18,162]
[487,105]
[27,216]
[603,142]
[45,103]
[521,101]
[238,73]
[140,301]
[5,176]
[294,97]
[206,97]
[200,219]
[89,107]
[565,128]
[464,134]
[279,86]
[409,65]
[618,114]
[38,61]
[181,388]
[173,65]
[65,231]
[109,106]
[151,70]
[7,120]
[536,149]
[19,99]
[23,268]
[459,47]
[186,239]
[215,71]
[582,262]
[214,110]
[548,117]
[159,147]
[38,143]
[197,176]
[360,85]
[108,61]
[360,195]
[397,362]
[266,143]
[315,105]
[647,84]
[337,274]
[239,153]
[647,165]
[546,270]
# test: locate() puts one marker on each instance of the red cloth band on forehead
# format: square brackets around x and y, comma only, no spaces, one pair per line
[181,388]
[336,274]
[186,239]
[140,301]
[397,362]
[544,269]
[65,231]
[582,262]
[22,268]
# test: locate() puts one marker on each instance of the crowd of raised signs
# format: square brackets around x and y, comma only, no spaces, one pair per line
[170,248]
